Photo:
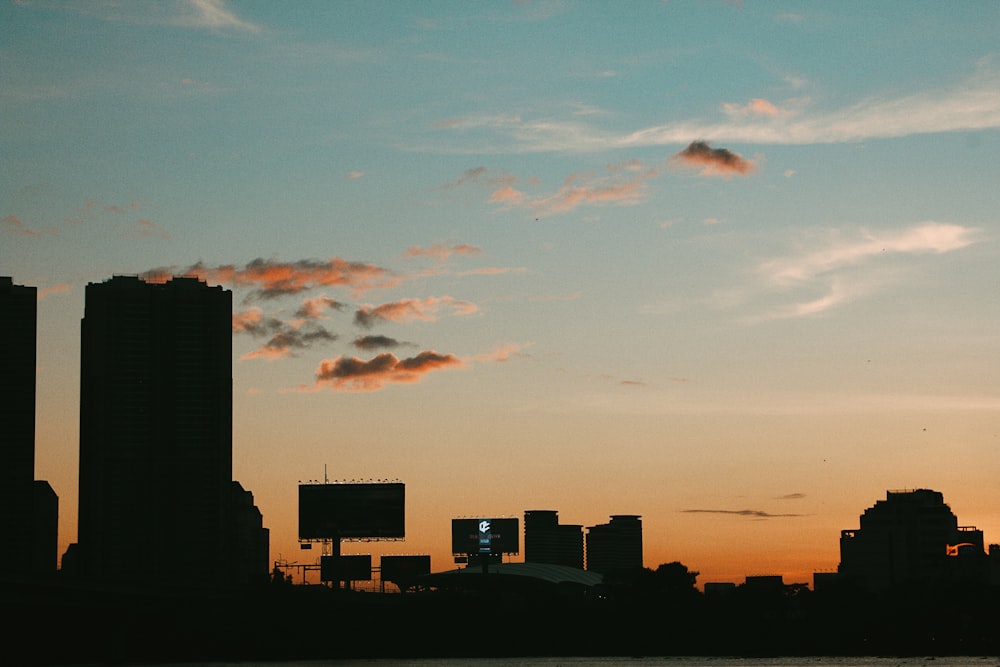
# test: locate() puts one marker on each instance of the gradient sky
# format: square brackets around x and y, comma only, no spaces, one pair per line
[730,266]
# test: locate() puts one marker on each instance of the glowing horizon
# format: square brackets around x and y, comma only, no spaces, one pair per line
[709,263]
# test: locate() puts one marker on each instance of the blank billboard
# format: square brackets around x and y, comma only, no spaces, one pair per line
[404,569]
[356,567]
[346,511]
[485,536]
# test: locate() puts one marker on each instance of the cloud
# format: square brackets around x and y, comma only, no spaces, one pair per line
[847,269]
[12,224]
[469,175]
[271,278]
[145,229]
[407,310]
[55,289]
[972,104]
[924,238]
[253,322]
[756,514]
[289,339]
[354,175]
[714,161]
[375,342]
[620,184]
[442,252]
[755,107]
[214,14]
[285,338]
[357,375]
[503,353]
[491,271]
[313,308]
[791,496]
[199,14]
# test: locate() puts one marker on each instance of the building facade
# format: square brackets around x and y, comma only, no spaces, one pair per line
[156,496]
[548,541]
[616,545]
[911,538]
[28,508]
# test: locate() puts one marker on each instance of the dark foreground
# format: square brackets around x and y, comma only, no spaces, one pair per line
[56,623]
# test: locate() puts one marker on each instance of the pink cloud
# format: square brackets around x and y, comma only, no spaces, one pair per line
[14,225]
[407,310]
[314,308]
[442,252]
[272,278]
[246,320]
[507,195]
[755,107]
[55,289]
[503,353]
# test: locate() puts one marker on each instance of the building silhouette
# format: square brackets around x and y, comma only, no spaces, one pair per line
[911,538]
[157,499]
[616,545]
[29,509]
[546,541]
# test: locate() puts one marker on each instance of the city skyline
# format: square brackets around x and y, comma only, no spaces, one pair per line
[730,267]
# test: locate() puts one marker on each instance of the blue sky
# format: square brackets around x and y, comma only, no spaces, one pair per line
[642,258]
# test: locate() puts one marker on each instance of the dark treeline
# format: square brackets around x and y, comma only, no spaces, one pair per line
[648,612]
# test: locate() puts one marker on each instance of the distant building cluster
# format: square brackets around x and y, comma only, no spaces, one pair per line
[157,501]
[609,547]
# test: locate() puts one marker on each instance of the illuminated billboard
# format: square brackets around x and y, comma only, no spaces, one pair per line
[352,511]
[346,568]
[485,536]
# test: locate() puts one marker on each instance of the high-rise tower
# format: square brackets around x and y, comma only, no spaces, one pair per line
[548,541]
[156,432]
[616,545]
[28,509]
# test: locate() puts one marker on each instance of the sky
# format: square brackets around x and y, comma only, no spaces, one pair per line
[730,266]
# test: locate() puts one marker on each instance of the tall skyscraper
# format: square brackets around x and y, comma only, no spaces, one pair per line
[548,541]
[156,493]
[616,545]
[18,323]
[911,537]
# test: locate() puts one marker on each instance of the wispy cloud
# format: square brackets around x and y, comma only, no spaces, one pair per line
[13,225]
[924,238]
[358,375]
[315,308]
[753,514]
[972,104]
[144,229]
[272,278]
[407,310]
[197,14]
[284,338]
[55,289]
[621,184]
[504,353]
[442,252]
[755,107]
[846,268]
